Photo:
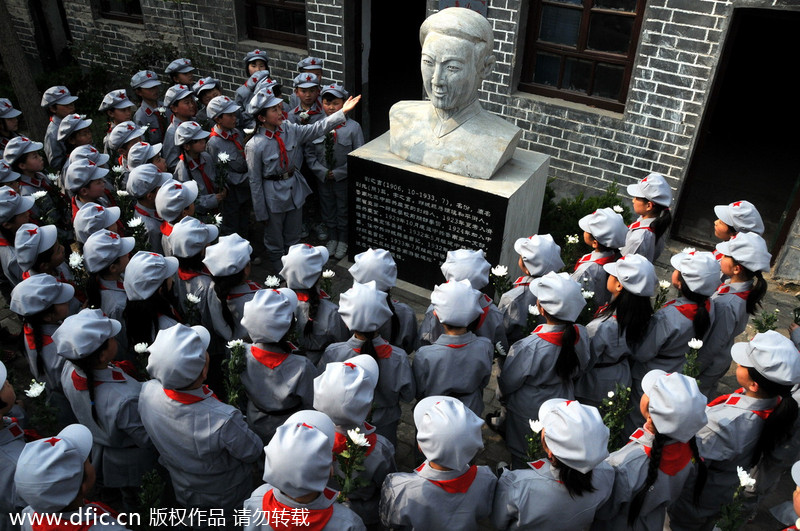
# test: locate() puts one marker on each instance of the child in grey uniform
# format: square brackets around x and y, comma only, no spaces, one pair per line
[604,231]
[459,363]
[278,382]
[445,492]
[12,441]
[59,103]
[144,182]
[651,199]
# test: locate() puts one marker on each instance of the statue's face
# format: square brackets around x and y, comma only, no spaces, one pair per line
[449,73]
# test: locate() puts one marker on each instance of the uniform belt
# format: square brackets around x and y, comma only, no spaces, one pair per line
[280,176]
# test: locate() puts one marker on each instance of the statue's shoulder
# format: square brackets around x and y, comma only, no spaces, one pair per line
[413,108]
[486,122]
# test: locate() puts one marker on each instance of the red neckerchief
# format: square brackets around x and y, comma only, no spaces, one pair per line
[521,282]
[302,296]
[485,312]
[46,340]
[145,213]
[185,274]
[26,275]
[717,255]
[311,112]
[688,310]
[82,384]
[382,351]
[314,520]
[600,261]
[98,509]
[335,136]
[674,456]
[340,440]
[194,165]
[724,288]
[250,284]
[186,398]
[120,161]
[75,207]
[638,225]
[451,345]
[4,243]
[267,358]
[733,400]
[14,428]
[110,197]
[231,137]
[556,337]
[166,228]
[461,484]
[284,156]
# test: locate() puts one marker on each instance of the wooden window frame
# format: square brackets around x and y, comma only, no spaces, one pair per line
[533,45]
[285,38]
[105,12]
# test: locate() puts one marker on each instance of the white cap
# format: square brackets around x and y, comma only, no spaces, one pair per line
[189,132]
[456,303]
[71,123]
[228,256]
[39,292]
[363,308]
[146,272]
[448,432]
[104,247]
[741,216]
[203,84]
[773,355]
[306,80]
[145,79]
[467,264]
[269,314]
[124,132]
[263,98]
[31,241]
[141,152]
[116,99]
[13,204]
[700,271]
[178,355]
[57,95]
[179,66]
[176,93]
[302,265]
[144,178]
[559,296]
[636,274]
[18,146]
[174,197]
[88,152]
[7,175]
[677,407]
[190,236]
[221,105]
[574,433]
[345,390]
[91,218]
[80,173]
[748,249]
[540,254]
[49,471]
[377,265]
[654,188]
[605,226]
[82,334]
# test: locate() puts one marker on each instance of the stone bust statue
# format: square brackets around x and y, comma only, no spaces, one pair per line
[452,132]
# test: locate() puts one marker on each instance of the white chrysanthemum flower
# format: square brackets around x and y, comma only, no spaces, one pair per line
[122,193]
[141,348]
[118,168]
[744,478]
[38,195]
[358,438]
[75,260]
[162,110]
[194,299]
[223,157]
[777,310]
[533,310]
[235,343]
[536,425]
[618,209]
[328,273]
[611,394]
[573,239]
[664,284]
[304,116]
[35,389]
[696,344]
[135,222]
[587,294]
[500,271]
[272,282]
[499,348]
[248,131]
[52,177]
[689,250]
[218,219]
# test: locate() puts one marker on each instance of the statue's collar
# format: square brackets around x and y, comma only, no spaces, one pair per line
[442,127]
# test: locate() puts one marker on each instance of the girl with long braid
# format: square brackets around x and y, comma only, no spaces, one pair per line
[651,199]
[743,426]
[652,468]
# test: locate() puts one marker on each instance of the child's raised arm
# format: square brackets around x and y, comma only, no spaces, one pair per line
[351,103]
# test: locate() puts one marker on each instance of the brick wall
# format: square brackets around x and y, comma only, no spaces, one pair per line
[21,19]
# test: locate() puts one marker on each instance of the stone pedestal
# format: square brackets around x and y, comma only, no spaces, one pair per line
[419,213]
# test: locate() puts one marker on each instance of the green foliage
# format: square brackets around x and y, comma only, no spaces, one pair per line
[614,410]
[766,321]
[560,219]
[152,55]
[535,449]
[151,492]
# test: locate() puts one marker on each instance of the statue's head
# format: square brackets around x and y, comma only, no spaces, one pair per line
[456,56]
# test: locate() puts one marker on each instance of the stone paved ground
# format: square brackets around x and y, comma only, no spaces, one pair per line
[781,297]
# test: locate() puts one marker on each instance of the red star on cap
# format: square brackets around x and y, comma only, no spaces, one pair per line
[195,124]
[304,425]
[154,254]
[130,128]
[313,62]
[200,82]
[91,163]
[12,193]
[99,208]
[142,143]
[32,231]
[24,139]
[93,150]
[737,203]
[644,180]
[52,441]
[177,187]
[308,77]
[187,62]
[62,91]
[348,364]
[113,235]
[6,104]
[148,74]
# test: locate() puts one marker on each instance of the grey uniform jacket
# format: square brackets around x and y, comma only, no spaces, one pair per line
[206,445]
[237,298]
[278,384]
[122,451]
[609,366]
[148,116]
[152,226]
[315,114]
[642,240]
[263,160]
[631,464]
[534,498]
[529,378]
[328,327]
[407,333]
[589,273]
[726,441]
[113,301]
[514,305]
[51,361]
[433,499]
[169,150]
[225,142]
[341,518]
[54,150]
[491,325]
[190,170]
[457,366]
[12,441]
[395,381]
[347,137]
